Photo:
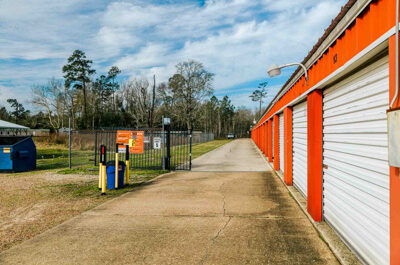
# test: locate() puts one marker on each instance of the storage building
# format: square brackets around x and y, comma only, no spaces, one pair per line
[328,136]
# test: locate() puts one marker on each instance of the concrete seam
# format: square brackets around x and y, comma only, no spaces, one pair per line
[205,257]
[223,197]
[213,240]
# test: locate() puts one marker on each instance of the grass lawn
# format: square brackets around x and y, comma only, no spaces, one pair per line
[201,149]
[33,202]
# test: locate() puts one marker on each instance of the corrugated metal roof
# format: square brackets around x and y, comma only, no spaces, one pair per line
[10,125]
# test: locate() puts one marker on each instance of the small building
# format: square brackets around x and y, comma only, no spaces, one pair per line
[17,149]
[40,132]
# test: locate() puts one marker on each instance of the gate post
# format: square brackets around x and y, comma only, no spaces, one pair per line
[95,148]
[168,157]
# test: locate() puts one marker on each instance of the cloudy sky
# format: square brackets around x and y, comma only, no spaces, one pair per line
[235,39]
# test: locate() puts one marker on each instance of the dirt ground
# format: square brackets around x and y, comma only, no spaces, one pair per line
[34,202]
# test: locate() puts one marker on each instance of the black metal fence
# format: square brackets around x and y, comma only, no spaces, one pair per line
[174,152]
[84,149]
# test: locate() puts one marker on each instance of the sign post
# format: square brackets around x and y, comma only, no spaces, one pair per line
[166,126]
[103,169]
[127,164]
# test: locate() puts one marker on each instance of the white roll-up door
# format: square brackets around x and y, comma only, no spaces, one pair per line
[272,136]
[300,147]
[281,137]
[355,157]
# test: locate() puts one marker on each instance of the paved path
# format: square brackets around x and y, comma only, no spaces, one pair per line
[219,217]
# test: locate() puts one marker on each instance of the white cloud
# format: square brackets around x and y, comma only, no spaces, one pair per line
[235,39]
[242,51]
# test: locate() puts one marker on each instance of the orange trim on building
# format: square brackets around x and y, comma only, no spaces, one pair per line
[288,145]
[394,172]
[264,137]
[314,154]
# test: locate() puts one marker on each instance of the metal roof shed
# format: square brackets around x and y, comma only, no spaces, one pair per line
[9,128]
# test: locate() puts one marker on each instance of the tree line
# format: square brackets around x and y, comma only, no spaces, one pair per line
[104,101]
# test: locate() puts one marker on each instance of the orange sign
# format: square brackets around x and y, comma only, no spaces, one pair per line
[134,139]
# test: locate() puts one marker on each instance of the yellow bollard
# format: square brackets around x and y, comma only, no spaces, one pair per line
[116,167]
[127,172]
[100,175]
[104,180]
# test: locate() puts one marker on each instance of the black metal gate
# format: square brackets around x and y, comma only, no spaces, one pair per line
[170,150]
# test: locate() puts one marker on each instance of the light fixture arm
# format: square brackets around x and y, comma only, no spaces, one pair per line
[299,64]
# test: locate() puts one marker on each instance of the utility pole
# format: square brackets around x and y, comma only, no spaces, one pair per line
[163,144]
[69,142]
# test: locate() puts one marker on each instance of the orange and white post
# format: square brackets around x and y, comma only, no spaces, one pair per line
[102,173]
[116,166]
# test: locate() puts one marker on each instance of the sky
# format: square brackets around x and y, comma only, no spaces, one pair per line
[234,39]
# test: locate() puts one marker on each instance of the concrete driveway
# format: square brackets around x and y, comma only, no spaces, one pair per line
[232,210]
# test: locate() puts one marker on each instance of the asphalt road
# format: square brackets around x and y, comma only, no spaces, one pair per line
[230,210]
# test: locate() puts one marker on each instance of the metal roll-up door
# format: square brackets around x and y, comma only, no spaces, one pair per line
[281,150]
[272,137]
[300,147]
[355,157]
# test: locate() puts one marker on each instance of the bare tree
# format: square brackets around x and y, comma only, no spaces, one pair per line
[51,97]
[190,85]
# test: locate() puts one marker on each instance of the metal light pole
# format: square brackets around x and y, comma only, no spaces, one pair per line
[275,70]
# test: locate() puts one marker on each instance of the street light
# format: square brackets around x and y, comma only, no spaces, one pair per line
[275,70]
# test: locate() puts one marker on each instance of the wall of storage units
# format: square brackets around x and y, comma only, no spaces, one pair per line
[328,136]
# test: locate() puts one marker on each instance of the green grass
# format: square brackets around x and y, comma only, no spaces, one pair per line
[201,149]
[85,189]
[58,158]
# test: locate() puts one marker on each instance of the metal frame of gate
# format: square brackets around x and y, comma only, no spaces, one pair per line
[176,149]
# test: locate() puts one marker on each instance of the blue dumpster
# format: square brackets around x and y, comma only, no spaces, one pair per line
[110,170]
[17,153]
